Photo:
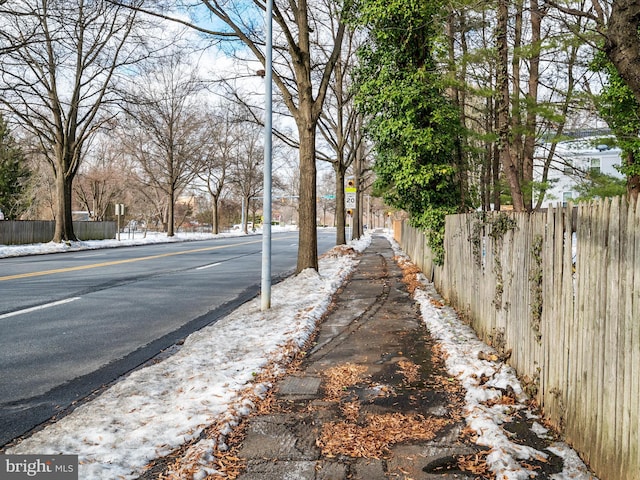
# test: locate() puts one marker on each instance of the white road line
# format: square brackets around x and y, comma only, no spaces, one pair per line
[208,266]
[39,307]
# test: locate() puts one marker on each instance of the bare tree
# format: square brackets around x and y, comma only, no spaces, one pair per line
[327,197]
[149,205]
[8,41]
[43,192]
[57,83]
[221,140]
[339,126]
[302,79]
[363,179]
[300,73]
[101,181]
[247,168]
[164,129]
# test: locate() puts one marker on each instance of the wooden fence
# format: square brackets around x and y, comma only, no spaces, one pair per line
[561,290]
[24,232]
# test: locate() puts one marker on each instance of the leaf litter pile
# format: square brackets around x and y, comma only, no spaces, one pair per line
[339,378]
[410,370]
[369,435]
[372,438]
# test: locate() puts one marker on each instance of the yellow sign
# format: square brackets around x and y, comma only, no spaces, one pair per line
[350,187]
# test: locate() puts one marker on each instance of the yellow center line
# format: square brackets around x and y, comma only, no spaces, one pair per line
[119,262]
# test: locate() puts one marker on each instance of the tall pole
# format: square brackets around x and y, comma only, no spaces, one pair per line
[243,220]
[266,204]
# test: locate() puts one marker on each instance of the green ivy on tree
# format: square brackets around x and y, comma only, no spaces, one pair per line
[14,175]
[617,105]
[410,119]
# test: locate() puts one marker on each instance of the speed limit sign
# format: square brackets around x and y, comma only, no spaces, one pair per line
[350,200]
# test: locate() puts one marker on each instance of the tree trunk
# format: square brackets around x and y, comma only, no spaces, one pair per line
[245,214]
[532,104]
[506,159]
[356,218]
[458,96]
[215,216]
[340,208]
[308,241]
[516,146]
[622,44]
[488,185]
[170,214]
[64,218]
[356,225]
[633,181]
[495,173]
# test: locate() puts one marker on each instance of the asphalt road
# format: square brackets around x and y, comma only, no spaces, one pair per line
[74,322]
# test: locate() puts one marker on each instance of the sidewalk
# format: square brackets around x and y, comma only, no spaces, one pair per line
[372,400]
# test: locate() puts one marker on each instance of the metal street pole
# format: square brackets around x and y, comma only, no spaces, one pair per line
[266,205]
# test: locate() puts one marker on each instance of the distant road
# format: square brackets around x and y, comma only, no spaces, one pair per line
[72,322]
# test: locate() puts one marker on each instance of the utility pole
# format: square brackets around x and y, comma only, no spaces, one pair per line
[265,295]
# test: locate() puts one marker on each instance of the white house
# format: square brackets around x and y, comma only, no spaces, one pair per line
[572,160]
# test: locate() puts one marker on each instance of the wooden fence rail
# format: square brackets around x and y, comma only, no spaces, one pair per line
[561,290]
[24,232]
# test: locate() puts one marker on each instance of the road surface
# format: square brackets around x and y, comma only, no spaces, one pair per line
[73,322]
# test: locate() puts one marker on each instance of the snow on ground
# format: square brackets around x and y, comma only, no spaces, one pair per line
[155,409]
[126,240]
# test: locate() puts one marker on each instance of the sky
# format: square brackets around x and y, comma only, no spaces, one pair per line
[157,408]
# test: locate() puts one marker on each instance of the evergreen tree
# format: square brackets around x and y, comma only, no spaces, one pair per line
[14,175]
[600,185]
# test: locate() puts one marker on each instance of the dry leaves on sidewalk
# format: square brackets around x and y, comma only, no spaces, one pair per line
[376,434]
[410,370]
[339,378]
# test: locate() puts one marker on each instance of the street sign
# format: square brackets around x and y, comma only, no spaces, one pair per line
[119,210]
[350,200]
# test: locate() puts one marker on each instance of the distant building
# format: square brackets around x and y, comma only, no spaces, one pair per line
[573,160]
[80,216]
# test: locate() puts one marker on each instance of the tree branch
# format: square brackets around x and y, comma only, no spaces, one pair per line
[174,20]
[572,11]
